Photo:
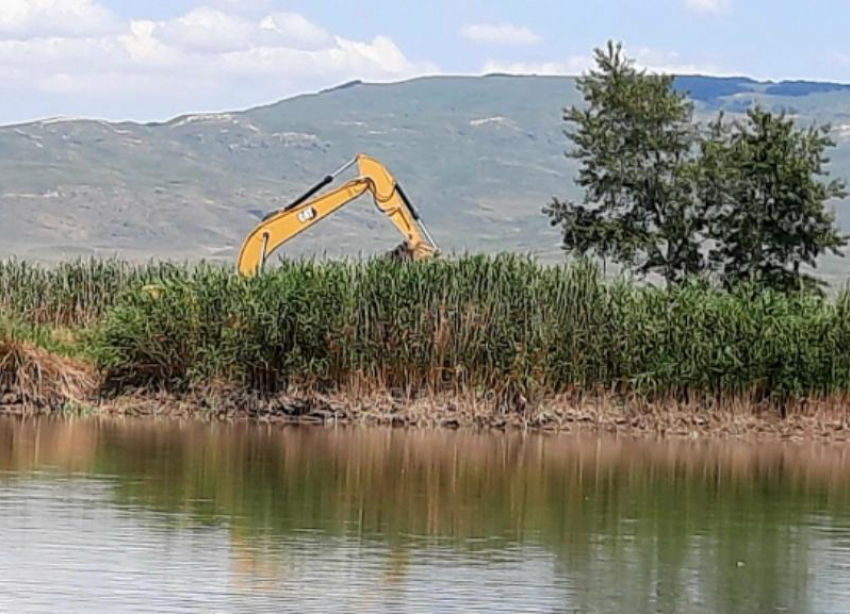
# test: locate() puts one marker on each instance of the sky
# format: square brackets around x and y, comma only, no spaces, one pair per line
[152,60]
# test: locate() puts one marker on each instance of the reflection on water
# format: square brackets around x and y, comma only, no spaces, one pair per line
[123,516]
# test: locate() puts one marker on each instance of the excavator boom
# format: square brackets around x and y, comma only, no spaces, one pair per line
[279,227]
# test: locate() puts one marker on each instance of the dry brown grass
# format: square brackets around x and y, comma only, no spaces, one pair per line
[33,380]
[731,419]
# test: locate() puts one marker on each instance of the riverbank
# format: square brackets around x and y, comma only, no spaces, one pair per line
[825,421]
[488,343]
[33,382]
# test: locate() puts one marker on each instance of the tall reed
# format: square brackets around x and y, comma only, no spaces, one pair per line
[73,293]
[501,326]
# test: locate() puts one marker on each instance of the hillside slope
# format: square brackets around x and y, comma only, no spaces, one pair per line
[480,156]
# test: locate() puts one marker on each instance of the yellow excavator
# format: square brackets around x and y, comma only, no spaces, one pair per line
[280,226]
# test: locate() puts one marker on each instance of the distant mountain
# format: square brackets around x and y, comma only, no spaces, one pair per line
[480,156]
[713,90]
[804,88]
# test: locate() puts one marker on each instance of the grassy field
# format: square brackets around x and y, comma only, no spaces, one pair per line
[499,328]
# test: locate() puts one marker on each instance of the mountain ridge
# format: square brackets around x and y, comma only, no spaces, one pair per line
[480,156]
[806,87]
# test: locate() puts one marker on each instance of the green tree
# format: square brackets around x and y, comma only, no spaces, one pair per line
[634,138]
[745,201]
[765,181]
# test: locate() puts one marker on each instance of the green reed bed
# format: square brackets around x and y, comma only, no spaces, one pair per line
[499,327]
[74,293]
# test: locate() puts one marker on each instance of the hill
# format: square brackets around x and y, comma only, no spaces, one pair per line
[479,155]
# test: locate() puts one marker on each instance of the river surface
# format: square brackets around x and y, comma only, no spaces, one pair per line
[110,516]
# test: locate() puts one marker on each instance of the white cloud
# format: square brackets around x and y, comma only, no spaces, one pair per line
[296,30]
[670,62]
[207,59]
[651,60]
[241,6]
[572,66]
[144,48]
[38,18]
[707,6]
[379,60]
[207,30]
[500,34]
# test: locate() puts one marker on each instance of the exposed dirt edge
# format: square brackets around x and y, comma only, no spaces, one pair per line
[825,420]
[34,381]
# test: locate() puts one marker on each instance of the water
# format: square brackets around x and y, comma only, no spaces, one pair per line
[124,516]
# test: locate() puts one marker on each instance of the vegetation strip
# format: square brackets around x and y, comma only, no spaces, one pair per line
[504,334]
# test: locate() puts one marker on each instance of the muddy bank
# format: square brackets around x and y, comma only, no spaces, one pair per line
[827,421]
[34,381]
[824,420]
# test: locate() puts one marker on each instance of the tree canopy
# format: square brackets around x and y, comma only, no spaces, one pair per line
[741,201]
[767,196]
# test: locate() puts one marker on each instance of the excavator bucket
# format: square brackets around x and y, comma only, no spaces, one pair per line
[402,253]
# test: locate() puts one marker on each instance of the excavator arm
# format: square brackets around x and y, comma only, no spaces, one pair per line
[276,230]
[281,226]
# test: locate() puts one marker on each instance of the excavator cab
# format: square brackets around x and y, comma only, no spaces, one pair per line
[280,226]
